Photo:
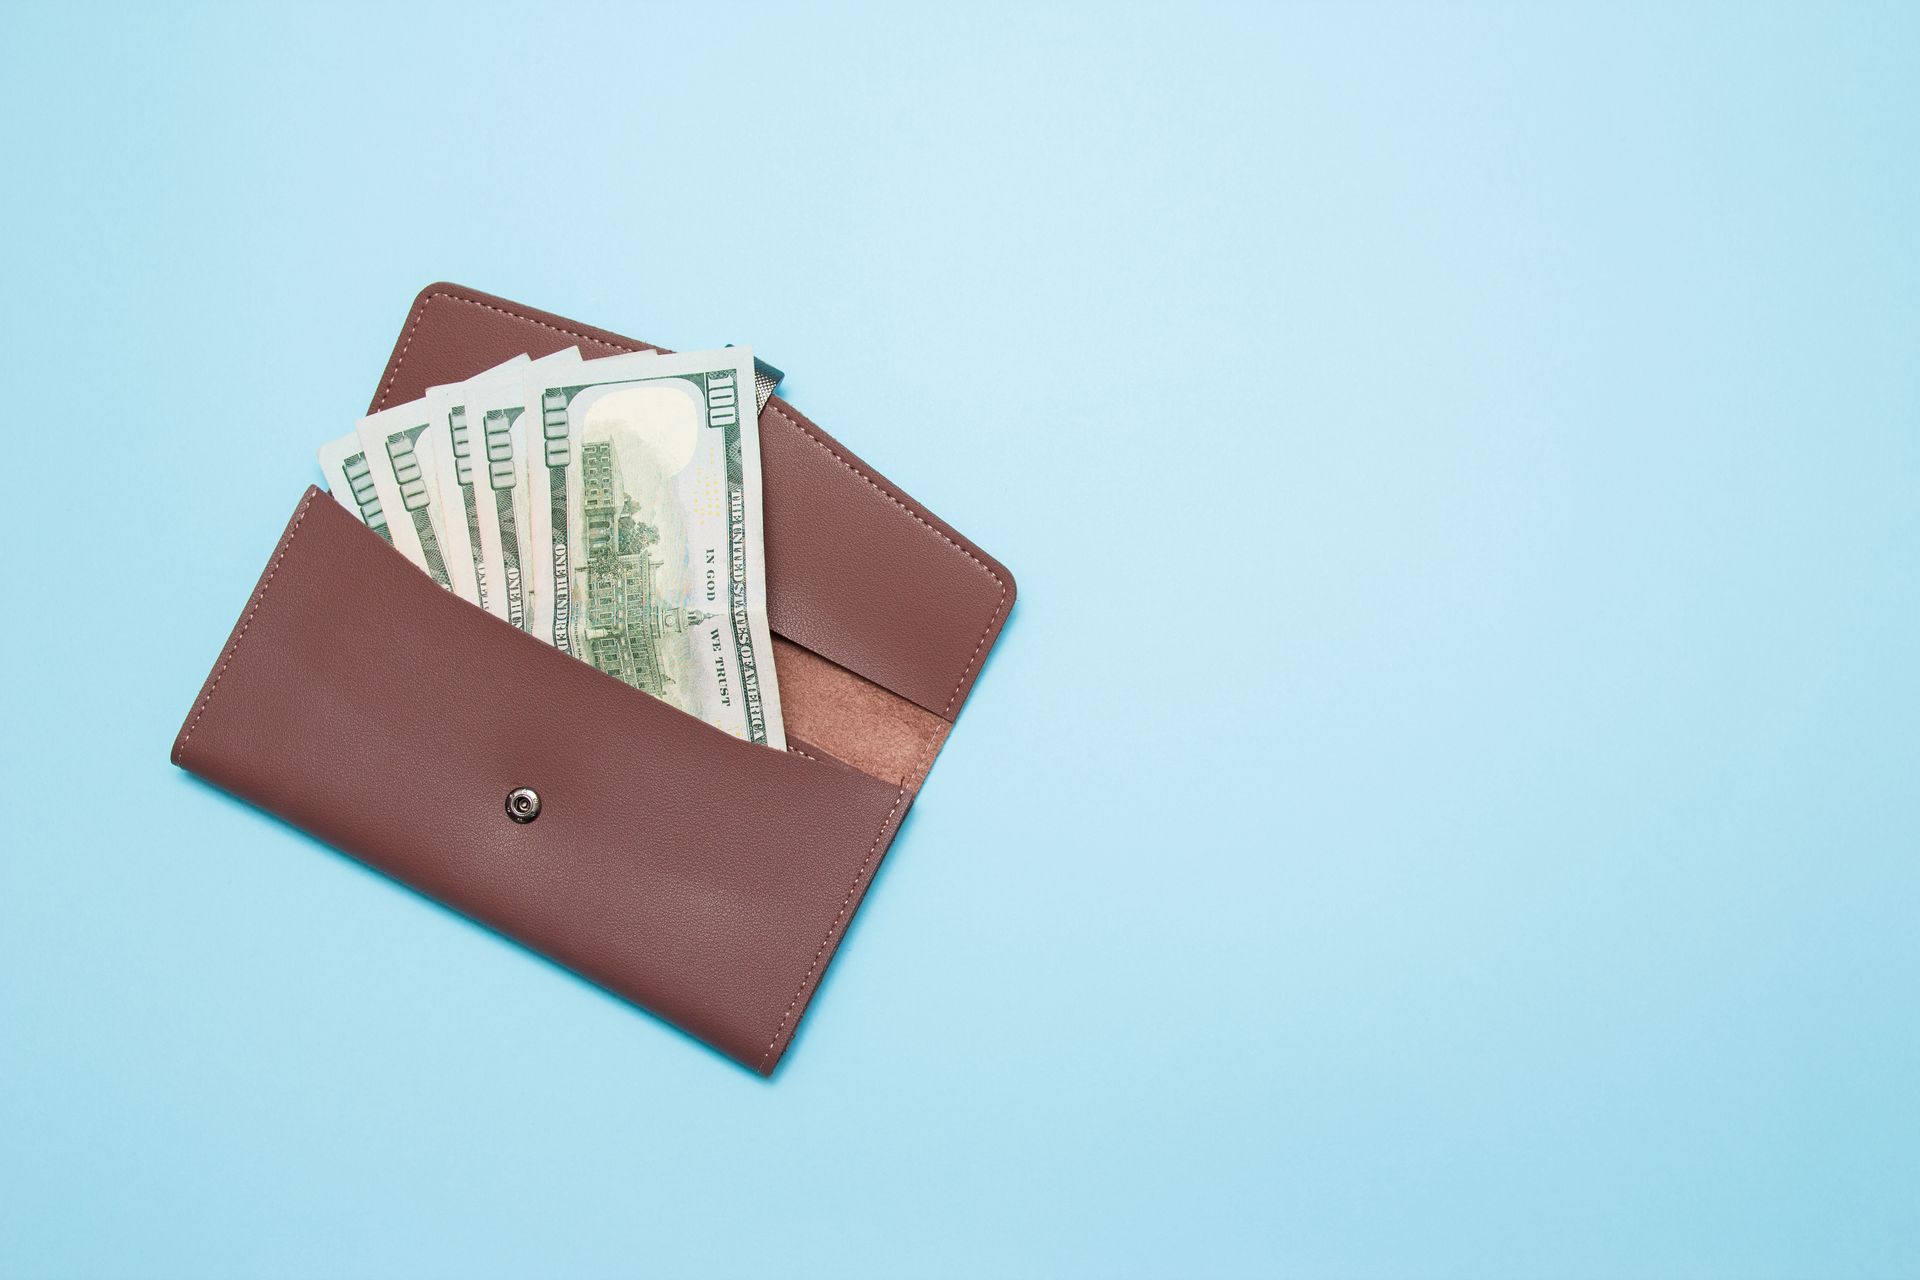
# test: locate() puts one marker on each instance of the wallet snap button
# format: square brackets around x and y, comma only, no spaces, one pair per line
[523,804]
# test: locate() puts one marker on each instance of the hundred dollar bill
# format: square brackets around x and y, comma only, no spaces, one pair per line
[450,469]
[495,406]
[465,490]
[350,480]
[400,463]
[646,512]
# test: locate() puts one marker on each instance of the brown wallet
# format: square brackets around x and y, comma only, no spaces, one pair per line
[706,879]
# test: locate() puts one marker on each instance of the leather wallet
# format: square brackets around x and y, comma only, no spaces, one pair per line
[703,878]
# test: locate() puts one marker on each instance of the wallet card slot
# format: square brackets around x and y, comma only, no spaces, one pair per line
[831,710]
[704,878]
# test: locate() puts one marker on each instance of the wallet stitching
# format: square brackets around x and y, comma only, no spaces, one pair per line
[980,564]
[1000,608]
[233,648]
[406,344]
[421,314]
[846,904]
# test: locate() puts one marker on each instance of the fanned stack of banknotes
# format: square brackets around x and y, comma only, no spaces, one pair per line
[609,507]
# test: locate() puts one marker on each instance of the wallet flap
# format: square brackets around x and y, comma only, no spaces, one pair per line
[857,571]
[704,878]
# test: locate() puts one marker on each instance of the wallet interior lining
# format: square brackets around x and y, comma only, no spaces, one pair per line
[854,720]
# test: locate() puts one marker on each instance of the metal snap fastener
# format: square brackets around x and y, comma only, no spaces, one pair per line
[523,804]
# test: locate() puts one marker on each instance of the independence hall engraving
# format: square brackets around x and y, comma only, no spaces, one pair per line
[627,623]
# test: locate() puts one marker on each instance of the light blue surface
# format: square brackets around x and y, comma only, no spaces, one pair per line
[1444,804]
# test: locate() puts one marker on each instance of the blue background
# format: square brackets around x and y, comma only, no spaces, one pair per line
[1444,804]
